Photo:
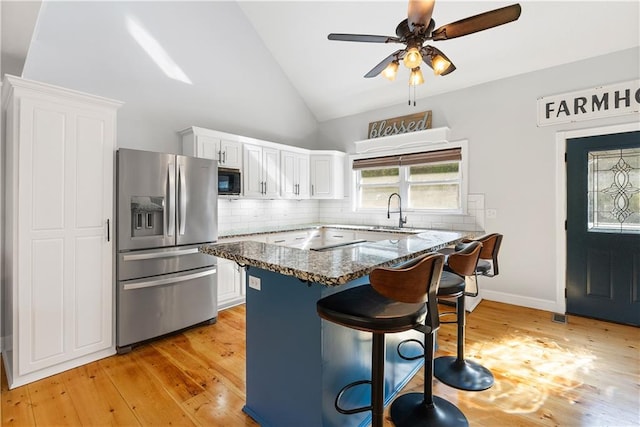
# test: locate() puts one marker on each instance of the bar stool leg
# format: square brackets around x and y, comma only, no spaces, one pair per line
[457,372]
[425,409]
[377,380]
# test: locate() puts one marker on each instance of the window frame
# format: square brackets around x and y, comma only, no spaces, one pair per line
[416,146]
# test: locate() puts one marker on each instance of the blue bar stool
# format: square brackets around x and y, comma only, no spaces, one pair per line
[394,302]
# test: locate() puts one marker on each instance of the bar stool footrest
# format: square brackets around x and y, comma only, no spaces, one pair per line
[353,410]
[411,410]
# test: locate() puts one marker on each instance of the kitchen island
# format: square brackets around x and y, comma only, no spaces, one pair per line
[296,362]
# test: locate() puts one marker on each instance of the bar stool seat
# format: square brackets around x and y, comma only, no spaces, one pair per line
[396,301]
[365,309]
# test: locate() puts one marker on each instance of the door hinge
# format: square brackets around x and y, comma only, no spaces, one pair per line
[565,157]
[565,293]
[565,225]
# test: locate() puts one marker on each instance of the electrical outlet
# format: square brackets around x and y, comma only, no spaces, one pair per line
[491,213]
[254,282]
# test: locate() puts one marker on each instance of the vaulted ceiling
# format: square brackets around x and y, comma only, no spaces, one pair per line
[222,51]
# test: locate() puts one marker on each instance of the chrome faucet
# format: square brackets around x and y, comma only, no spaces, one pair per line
[401,221]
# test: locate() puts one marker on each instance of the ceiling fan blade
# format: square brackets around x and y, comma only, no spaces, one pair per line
[419,13]
[383,64]
[429,52]
[367,38]
[477,23]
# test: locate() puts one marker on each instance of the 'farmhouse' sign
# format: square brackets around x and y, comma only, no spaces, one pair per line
[604,101]
[398,125]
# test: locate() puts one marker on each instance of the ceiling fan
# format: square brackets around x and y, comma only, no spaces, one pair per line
[419,28]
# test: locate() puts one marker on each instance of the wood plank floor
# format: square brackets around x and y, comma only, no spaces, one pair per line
[583,373]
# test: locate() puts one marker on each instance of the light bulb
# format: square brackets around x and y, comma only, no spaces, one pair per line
[391,71]
[439,64]
[413,58]
[416,78]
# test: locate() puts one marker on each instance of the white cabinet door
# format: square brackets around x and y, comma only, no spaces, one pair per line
[327,176]
[252,175]
[207,147]
[271,171]
[230,284]
[295,175]
[231,154]
[261,172]
[62,156]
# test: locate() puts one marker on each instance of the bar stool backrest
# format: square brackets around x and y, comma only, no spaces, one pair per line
[464,261]
[490,248]
[412,282]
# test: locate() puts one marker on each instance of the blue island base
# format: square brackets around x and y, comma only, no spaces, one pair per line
[297,363]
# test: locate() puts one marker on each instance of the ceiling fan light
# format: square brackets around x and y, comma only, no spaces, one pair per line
[413,58]
[391,71]
[416,77]
[439,64]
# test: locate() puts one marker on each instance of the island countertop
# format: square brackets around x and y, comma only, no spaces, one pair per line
[336,266]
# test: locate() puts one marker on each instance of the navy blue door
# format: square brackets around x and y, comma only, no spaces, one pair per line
[603,227]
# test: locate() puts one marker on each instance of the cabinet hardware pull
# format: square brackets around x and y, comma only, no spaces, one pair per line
[224,157]
[279,241]
[108,231]
[312,192]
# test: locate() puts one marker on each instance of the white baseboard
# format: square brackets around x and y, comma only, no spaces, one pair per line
[537,303]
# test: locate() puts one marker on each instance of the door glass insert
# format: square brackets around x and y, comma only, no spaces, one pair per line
[614,190]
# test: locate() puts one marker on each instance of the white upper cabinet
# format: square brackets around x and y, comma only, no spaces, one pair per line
[261,175]
[327,174]
[60,151]
[295,175]
[210,144]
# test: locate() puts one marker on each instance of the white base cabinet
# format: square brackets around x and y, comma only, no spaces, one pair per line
[231,280]
[58,229]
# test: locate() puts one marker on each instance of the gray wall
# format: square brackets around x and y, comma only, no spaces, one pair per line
[512,161]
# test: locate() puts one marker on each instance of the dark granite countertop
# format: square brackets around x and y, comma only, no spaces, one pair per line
[338,265]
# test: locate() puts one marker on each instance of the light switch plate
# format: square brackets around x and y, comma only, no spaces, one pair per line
[491,213]
[254,283]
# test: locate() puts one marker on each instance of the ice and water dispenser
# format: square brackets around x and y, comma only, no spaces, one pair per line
[147,216]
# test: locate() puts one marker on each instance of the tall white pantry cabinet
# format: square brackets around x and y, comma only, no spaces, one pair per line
[58,261]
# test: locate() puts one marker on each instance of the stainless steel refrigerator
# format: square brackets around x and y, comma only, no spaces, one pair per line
[166,208]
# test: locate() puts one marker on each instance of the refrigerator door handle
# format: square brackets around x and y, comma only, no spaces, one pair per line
[169,280]
[171,216]
[183,200]
[155,255]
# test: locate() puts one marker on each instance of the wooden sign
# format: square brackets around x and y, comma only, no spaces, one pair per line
[398,125]
[604,101]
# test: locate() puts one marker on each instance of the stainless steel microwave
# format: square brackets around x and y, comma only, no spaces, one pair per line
[229,181]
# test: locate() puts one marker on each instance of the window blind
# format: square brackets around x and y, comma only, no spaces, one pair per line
[451,154]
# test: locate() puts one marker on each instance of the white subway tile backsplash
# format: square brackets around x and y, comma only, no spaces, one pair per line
[236,215]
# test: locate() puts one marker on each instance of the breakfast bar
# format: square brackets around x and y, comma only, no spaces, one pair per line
[296,362]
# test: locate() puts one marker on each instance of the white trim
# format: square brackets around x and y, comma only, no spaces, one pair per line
[519,300]
[561,200]
[405,141]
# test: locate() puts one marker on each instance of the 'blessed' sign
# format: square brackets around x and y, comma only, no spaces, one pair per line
[398,125]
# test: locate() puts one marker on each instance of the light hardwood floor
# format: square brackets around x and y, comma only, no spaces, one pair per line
[583,373]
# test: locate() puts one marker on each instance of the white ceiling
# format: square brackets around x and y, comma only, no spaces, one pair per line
[328,75]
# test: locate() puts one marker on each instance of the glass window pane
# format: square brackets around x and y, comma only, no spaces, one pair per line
[372,197]
[380,176]
[614,190]
[435,172]
[434,196]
